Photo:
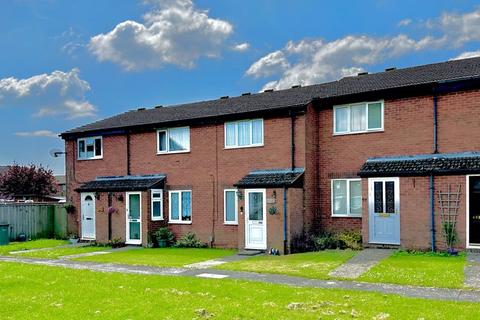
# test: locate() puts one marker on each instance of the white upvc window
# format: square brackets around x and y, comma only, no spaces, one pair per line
[244,133]
[156,204]
[173,140]
[230,206]
[358,118]
[90,148]
[346,197]
[180,206]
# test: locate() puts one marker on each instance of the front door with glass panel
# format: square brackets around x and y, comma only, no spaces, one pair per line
[384,210]
[88,215]
[474,212]
[255,219]
[134,216]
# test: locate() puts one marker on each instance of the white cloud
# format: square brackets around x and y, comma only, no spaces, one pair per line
[468,54]
[457,29]
[57,93]
[175,32]
[404,22]
[272,63]
[38,133]
[316,60]
[241,47]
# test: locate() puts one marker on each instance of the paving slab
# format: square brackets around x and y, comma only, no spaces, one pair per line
[81,255]
[472,270]
[360,263]
[407,291]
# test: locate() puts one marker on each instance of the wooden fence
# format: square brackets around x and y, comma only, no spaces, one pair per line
[35,220]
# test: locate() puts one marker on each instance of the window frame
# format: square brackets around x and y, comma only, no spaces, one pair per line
[180,201]
[167,140]
[347,214]
[95,157]
[235,222]
[349,120]
[152,200]
[251,145]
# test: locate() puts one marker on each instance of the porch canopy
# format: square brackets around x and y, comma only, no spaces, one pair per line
[422,165]
[273,178]
[124,183]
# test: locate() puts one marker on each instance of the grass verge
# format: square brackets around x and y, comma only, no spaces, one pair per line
[419,269]
[41,292]
[160,257]
[30,245]
[315,265]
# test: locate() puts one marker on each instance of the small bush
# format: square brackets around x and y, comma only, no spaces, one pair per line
[302,242]
[165,234]
[116,243]
[350,240]
[190,241]
[325,241]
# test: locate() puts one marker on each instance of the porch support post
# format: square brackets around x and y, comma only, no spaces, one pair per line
[285,249]
[432,210]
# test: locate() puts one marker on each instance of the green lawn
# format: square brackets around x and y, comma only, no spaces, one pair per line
[34,244]
[59,252]
[161,257]
[419,269]
[40,292]
[311,265]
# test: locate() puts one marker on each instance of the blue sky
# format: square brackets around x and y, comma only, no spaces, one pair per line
[68,63]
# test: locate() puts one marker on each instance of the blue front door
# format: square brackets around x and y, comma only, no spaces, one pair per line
[384,210]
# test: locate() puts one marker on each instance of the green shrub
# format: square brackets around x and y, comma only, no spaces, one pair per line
[165,234]
[190,241]
[325,241]
[350,240]
[343,240]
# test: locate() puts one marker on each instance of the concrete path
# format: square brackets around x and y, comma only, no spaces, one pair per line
[472,270]
[216,262]
[408,291]
[360,263]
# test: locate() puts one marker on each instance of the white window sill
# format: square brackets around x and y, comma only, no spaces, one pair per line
[243,147]
[179,222]
[231,223]
[357,132]
[346,215]
[172,152]
[157,219]
[94,158]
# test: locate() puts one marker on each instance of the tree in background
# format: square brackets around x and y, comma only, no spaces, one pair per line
[29,180]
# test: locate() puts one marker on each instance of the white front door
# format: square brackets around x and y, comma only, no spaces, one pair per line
[384,210]
[87,204]
[255,219]
[134,218]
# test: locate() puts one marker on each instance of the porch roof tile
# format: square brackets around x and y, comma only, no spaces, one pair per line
[272,178]
[124,183]
[422,165]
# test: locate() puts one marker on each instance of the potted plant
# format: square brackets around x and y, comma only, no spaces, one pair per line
[73,238]
[164,237]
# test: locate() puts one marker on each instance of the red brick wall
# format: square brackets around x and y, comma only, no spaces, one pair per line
[408,125]
[207,170]
[415,217]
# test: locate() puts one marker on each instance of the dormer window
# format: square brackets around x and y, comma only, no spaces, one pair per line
[358,118]
[90,148]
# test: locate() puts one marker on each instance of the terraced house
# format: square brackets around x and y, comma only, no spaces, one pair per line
[372,152]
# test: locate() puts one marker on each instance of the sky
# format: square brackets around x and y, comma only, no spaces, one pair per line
[66,63]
